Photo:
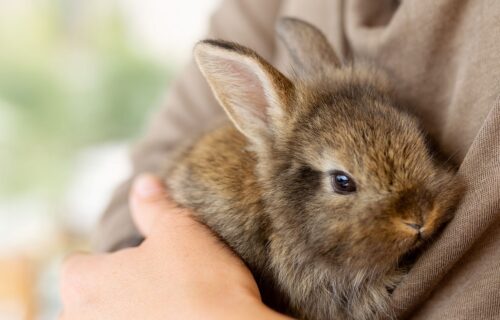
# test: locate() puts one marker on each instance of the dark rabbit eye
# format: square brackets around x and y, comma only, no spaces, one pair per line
[342,183]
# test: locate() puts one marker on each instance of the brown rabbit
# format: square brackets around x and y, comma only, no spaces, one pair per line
[322,185]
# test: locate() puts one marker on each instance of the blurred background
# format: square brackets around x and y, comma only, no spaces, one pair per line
[78,79]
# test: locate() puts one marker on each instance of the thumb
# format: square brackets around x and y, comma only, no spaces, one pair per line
[149,202]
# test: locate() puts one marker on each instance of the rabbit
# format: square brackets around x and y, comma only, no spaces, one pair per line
[319,182]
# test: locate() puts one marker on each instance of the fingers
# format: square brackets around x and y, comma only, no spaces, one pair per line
[150,204]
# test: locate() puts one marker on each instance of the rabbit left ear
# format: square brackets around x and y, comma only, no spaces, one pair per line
[307,45]
[253,93]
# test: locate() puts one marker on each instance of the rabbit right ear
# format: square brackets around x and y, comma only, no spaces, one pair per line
[253,93]
[308,46]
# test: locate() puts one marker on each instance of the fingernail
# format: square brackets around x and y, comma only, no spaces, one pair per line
[147,186]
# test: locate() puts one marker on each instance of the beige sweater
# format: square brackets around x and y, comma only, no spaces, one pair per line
[445,58]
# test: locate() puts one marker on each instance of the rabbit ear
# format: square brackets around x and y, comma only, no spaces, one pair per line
[253,93]
[308,46]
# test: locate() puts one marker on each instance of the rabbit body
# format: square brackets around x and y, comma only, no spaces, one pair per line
[321,184]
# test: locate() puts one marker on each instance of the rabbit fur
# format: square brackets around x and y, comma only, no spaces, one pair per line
[265,183]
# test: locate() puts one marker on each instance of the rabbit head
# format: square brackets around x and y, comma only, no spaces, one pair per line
[347,177]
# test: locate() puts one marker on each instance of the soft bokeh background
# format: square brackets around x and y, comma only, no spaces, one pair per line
[78,79]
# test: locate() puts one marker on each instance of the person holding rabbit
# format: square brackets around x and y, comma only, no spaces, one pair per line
[441,58]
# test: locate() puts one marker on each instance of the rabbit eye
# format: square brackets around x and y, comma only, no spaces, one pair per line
[342,183]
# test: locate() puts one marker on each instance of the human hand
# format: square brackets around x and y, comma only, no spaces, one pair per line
[180,271]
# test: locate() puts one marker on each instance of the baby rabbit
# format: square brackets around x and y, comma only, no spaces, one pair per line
[321,184]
